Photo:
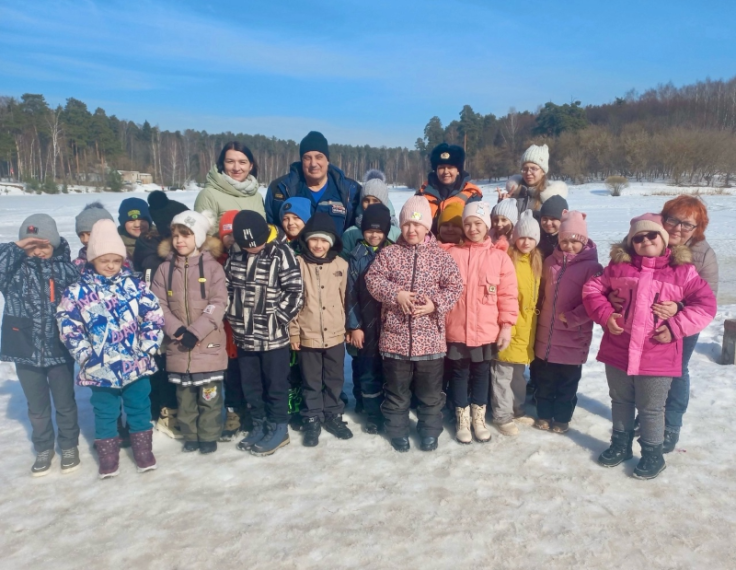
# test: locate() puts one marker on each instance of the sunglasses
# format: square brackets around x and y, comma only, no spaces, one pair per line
[674,222]
[651,236]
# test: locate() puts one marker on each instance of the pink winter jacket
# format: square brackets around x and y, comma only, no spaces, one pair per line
[426,270]
[643,281]
[562,286]
[490,295]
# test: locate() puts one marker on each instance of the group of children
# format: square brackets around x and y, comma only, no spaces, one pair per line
[463,314]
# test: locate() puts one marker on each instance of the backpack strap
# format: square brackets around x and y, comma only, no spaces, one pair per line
[169,289]
[202,279]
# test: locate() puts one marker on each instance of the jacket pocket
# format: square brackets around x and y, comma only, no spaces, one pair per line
[489,291]
[17,337]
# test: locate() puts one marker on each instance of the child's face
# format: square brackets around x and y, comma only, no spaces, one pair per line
[526,244]
[84,237]
[255,250]
[44,251]
[374,238]
[183,244]
[502,225]
[228,240]
[648,244]
[550,225]
[369,201]
[571,246]
[413,233]
[450,234]
[136,227]
[475,229]
[108,264]
[318,246]
[292,225]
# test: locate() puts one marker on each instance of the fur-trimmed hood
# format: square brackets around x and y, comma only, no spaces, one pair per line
[675,255]
[211,244]
[553,188]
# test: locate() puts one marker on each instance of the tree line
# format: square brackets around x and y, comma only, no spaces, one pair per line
[685,134]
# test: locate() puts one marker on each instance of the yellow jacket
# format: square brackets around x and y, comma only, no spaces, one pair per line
[521,349]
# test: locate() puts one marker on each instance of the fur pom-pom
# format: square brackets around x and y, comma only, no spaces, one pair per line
[374,174]
[93,205]
[158,199]
[210,216]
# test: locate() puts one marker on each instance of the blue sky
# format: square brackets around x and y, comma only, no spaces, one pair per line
[362,72]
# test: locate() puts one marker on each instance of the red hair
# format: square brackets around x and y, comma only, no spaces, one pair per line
[688,206]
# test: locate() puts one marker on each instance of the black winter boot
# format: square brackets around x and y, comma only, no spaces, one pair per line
[670,441]
[311,427]
[206,447]
[337,427]
[651,463]
[429,443]
[400,444]
[190,446]
[619,451]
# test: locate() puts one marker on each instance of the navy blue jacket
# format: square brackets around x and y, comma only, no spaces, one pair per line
[363,311]
[32,288]
[340,200]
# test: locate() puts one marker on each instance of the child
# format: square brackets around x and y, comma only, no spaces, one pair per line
[294,213]
[111,323]
[318,332]
[503,219]
[33,273]
[417,283]
[565,330]
[84,221]
[265,290]
[550,216]
[374,191]
[508,383]
[480,323]
[135,220]
[191,286]
[450,223]
[364,315]
[642,353]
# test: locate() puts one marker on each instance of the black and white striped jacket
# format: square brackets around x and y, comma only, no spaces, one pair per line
[266,293]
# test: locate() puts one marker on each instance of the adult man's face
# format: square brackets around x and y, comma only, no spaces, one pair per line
[314,166]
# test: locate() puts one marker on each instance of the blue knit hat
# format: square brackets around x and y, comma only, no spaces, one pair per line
[133,209]
[300,207]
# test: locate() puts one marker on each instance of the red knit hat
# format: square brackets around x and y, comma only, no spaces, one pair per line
[226,222]
[573,226]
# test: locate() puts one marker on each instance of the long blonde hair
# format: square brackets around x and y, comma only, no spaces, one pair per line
[536,260]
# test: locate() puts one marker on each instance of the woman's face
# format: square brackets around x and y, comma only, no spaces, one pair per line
[550,226]
[475,229]
[236,165]
[531,173]
[413,233]
[680,227]
[447,174]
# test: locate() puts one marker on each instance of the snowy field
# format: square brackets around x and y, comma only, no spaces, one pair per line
[535,501]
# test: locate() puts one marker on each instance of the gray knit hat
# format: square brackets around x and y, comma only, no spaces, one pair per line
[508,209]
[92,213]
[40,226]
[527,226]
[375,185]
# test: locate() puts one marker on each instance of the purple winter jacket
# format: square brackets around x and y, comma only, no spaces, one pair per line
[562,283]
[643,281]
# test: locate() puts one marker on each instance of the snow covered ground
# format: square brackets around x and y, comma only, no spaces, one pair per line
[538,500]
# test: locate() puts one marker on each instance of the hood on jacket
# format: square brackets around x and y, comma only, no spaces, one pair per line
[675,255]
[322,223]
[211,244]
[554,188]
[217,181]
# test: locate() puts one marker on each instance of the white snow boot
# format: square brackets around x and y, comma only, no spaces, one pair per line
[462,425]
[482,433]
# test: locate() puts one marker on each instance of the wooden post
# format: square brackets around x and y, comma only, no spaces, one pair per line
[728,351]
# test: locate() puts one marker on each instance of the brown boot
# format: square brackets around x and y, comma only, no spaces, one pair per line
[142,443]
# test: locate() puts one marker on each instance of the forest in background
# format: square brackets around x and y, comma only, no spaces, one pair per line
[686,135]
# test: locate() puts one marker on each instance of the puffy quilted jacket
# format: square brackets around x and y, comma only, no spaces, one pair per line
[523,334]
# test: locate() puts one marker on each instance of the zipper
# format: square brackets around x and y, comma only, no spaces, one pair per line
[413,278]
[554,307]
[319,296]
[186,305]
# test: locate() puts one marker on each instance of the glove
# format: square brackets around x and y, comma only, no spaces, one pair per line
[188,340]
[180,331]
[504,338]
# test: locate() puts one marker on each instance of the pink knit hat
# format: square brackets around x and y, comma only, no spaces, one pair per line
[416,209]
[647,223]
[104,239]
[480,210]
[573,226]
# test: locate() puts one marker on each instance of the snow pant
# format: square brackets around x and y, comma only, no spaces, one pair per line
[368,369]
[295,383]
[357,387]
[557,388]
[323,376]
[234,397]
[265,378]
[136,403]
[40,385]
[468,376]
[643,394]
[163,392]
[509,391]
[200,411]
[679,395]
[427,378]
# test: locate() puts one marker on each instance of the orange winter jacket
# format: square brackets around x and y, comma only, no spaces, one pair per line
[468,193]
[490,294]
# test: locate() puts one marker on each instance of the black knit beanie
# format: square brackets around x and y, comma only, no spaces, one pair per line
[250,229]
[163,210]
[376,217]
[553,207]
[314,141]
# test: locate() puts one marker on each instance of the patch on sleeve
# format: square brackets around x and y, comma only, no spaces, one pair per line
[209,309]
[209,393]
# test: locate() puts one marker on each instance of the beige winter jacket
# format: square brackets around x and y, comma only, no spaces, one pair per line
[321,322]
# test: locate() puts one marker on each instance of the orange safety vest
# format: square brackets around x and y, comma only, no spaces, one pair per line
[437,205]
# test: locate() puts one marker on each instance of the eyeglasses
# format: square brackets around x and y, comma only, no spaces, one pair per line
[530,169]
[651,236]
[674,222]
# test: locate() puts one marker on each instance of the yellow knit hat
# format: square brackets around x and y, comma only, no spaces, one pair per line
[452,214]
